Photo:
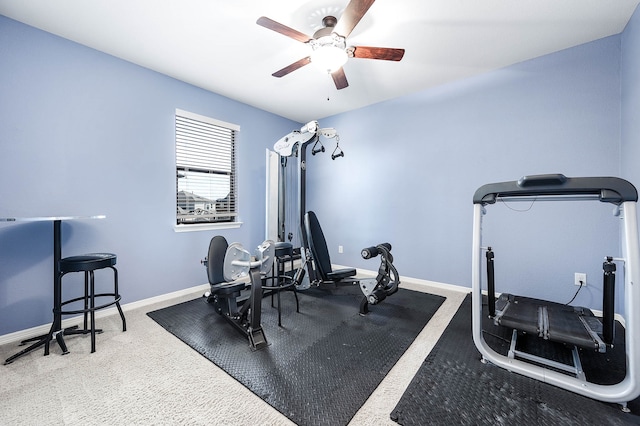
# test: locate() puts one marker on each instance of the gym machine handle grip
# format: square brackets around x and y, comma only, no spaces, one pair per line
[250,263]
[373,251]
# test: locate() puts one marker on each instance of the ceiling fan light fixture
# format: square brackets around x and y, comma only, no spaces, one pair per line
[329,58]
[329,53]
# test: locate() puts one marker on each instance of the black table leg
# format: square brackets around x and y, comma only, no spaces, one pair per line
[56,328]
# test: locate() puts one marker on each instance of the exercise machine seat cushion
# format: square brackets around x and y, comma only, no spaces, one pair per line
[215,268]
[320,252]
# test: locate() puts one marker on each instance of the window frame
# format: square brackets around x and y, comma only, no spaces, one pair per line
[234,222]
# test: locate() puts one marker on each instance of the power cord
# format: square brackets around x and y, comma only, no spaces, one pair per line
[519,210]
[574,296]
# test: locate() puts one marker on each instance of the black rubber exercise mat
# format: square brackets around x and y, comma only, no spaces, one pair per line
[454,387]
[324,362]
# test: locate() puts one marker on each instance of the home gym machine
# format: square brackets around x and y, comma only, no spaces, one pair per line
[231,270]
[572,326]
[291,179]
[313,251]
[295,144]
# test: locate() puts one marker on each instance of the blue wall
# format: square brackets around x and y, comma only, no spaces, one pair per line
[412,165]
[84,133]
[631,99]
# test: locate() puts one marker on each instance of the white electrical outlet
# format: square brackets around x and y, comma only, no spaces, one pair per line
[340,249]
[580,277]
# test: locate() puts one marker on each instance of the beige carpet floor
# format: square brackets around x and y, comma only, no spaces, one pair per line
[146,376]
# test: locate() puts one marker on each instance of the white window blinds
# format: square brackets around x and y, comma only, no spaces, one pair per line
[205,169]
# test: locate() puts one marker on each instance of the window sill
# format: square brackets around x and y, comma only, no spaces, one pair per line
[206,226]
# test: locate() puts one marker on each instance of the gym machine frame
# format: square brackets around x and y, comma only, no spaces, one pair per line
[560,188]
[296,142]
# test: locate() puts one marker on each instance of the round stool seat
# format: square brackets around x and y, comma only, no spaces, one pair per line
[87,262]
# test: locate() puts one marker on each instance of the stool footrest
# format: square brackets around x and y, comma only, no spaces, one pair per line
[279,279]
[95,308]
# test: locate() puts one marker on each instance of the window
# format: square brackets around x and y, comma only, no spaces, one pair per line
[205,170]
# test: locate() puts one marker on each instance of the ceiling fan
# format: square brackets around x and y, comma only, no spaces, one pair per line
[329,44]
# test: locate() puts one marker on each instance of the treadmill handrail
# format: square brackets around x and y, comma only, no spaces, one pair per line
[606,189]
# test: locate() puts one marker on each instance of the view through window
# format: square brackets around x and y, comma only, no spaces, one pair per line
[205,169]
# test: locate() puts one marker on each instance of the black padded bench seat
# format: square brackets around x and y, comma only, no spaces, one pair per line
[320,252]
[551,321]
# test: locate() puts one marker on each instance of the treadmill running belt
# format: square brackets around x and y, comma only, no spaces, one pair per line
[550,320]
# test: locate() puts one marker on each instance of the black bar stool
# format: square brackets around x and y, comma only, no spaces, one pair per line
[87,263]
[279,279]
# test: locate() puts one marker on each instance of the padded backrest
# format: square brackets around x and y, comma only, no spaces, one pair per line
[215,259]
[317,244]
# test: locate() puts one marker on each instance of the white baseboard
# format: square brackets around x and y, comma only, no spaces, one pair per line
[163,297]
[68,322]
[409,280]
[71,321]
[452,287]
[427,283]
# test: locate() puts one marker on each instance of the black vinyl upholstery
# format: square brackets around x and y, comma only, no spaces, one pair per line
[215,259]
[215,268]
[87,262]
[320,252]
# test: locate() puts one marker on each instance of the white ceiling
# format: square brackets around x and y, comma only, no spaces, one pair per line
[217,45]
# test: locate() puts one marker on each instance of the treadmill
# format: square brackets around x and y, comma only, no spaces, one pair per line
[576,327]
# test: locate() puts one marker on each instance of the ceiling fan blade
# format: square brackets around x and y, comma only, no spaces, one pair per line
[282,29]
[294,66]
[384,53]
[340,79]
[353,13]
